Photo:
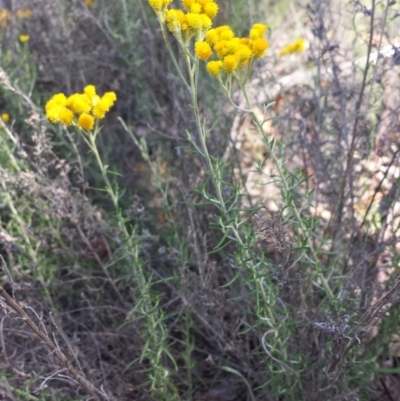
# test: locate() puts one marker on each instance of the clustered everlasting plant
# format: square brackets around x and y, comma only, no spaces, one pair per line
[231,58]
[219,291]
[83,111]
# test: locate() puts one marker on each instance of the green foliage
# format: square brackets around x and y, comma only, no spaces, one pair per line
[177,263]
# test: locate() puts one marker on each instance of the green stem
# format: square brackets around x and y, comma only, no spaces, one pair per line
[277,164]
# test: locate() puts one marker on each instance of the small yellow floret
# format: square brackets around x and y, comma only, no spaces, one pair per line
[53,114]
[221,48]
[66,116]
[194,21]
[297,46]
[258,47]
[214,67]
[156,5]
[211,9]
[57,100]
[257,31]
[205,22]
[110,98]
[90,90]
[78,103]
[195,8]
[212,36]
[23,38]
[232,45]
[230,63]
[188,4]
[99,111]
[222,28]
[226,34]
[243,53]
[203,50]
[5,117]
[59,114]
[86,121]
[172,19]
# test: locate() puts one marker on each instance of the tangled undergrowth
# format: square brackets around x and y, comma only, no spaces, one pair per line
[222,223]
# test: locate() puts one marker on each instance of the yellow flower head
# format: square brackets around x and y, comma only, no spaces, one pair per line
[66,116]
[23,38]
[297,46]
[203,50]
[58,100]
[110,98]
[60,114]
[221,48]
[188,4]
[205,22]
[214,67]
[159,5]
[231,63]
[243,54]
[257,31]
[226,34]
[86,121]
[89,3]
[194,21]
[22,14]
[211,9]
[232,45]
[103,105]
[173,20]
[195,8]
[5,117]
[212,36]
[5,18]
[99,111]
[90,90]
[78,103]
[258,47]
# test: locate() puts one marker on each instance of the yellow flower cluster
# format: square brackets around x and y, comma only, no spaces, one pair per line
[298,46]
[195,21]
[81,108]
[23,14]
[5,18]
[232,52]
